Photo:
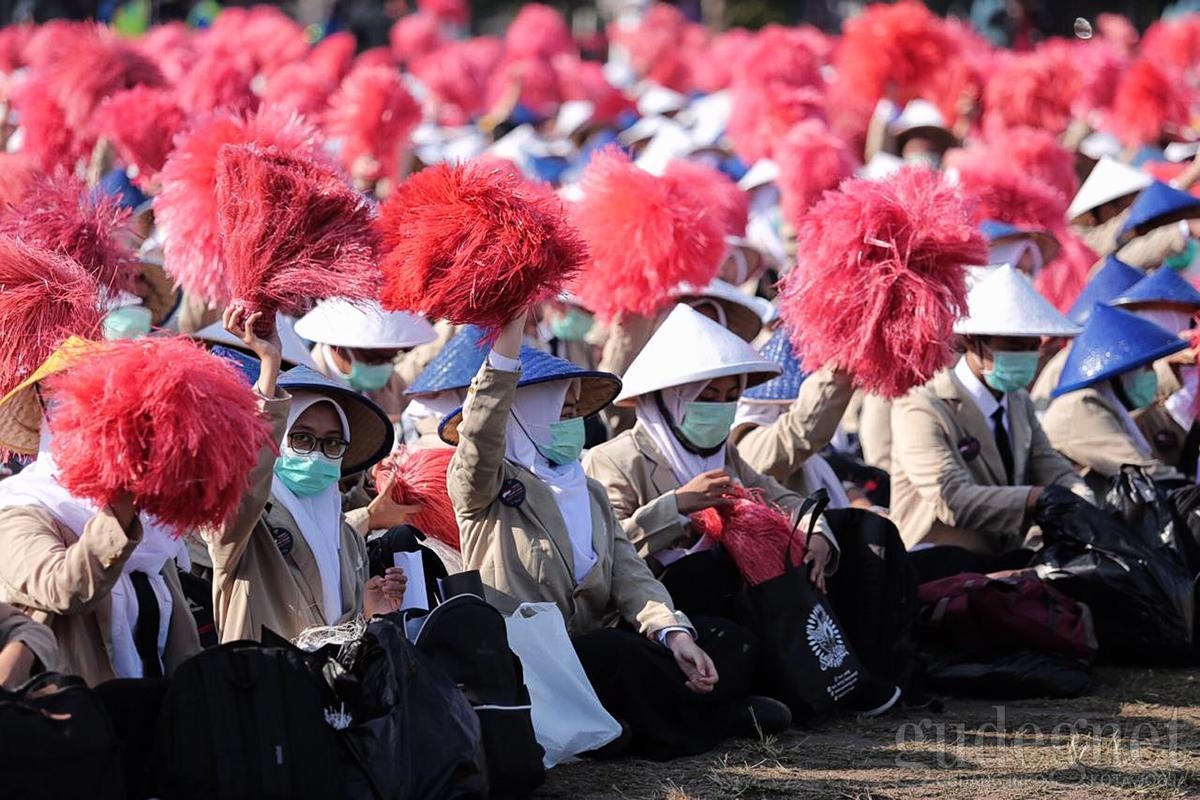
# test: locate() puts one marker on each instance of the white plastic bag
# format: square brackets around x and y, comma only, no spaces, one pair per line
[567,716]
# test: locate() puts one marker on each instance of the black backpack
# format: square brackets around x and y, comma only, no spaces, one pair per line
[241,722]
[56,740]
[469,640]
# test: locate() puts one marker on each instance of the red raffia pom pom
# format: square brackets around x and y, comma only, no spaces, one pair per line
[881,278]
[141,124]
[473,244]
[646,235]
[1149,102]
[334,55]
[373,114]
[1003,193]
[537,32]
[1063,279]
[1037,153]
[18,174]
[721,193]
[186,207]
[63,216]
[420,479]
[299,87]
[415,36]
[98,66]
[1035,90]
[811,160]
[161,420]
[45,298]
[754,533]
[292,231]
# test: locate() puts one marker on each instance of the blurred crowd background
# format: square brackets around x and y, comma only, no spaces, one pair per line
[1009,23]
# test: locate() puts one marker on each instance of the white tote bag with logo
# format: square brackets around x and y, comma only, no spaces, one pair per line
[567,716]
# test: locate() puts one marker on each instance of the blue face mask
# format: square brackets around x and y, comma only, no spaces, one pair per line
[571,326]
[369,377]
[566,441]
[307,474]
[1013,370]
[1141,387]
[127,322]
[707,424]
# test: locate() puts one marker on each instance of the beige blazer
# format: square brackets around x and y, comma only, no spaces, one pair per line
[37,638]
[63,581]
[641,487]
[521,547]
[941,495]
[254,584]
[1145,252]
[1084,427]
[1047,380]
[781,448]
[875,431]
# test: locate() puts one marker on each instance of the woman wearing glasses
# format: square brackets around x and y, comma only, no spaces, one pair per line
[290,559]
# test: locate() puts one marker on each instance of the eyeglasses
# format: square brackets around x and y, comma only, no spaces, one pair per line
[305,443]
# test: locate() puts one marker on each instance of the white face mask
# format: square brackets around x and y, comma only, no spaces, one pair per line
[1168,319]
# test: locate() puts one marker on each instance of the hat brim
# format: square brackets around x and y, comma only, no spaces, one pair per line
[1046,242]
[371,432]
[1154,355]
[753,378]
[20,411]
[1161,221]
[941,136]
[740,319]
[596,390]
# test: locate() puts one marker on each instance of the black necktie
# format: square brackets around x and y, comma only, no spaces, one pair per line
[1002,442]
[145,632]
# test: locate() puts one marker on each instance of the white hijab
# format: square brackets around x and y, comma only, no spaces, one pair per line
[684,464]
[534,409]
[319,517]
[438,406]
[1012,251]
[817,472]
[37,485]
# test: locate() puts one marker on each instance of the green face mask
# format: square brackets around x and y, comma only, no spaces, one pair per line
[572,326]
[707,424]
[1013,371]
[307,474]
[1141,387]
[369,377]
[1179,261]
[566,441]
[127,322]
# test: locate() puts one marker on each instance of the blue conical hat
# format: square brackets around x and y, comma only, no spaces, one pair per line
[455,366]
[1109,282]
[1163,287]
[1155,206]
[786,386]
[1113,343]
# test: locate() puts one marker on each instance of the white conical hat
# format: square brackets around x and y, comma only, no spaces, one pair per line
[655,100]
[1004,303]
[1108,180]
[573,115]
[918,114]
[669,142]
[745,315]
[363,325]
[761,173]
[882,165]
[690,347]
[294,350]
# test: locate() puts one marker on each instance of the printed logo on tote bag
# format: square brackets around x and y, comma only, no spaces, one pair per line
[825,639]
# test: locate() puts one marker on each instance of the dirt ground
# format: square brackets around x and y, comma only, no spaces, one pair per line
[1135,735]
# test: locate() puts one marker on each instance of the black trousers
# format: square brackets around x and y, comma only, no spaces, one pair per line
[639,683]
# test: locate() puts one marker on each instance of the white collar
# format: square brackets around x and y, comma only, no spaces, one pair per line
[985,401]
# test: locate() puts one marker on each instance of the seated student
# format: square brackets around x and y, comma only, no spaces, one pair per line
[288,560]
[539,531]
[969,459]
[685,385]
[27,648]
[1027,249]
[103,579]
[782,425]
[1170,302]
[359,344]
[1108,376]
[1101,208]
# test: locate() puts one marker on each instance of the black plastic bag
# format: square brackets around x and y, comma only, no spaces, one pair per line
[1011,676]
[413,733]
[1138,587]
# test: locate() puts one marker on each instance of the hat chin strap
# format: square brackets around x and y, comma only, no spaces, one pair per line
[683,440]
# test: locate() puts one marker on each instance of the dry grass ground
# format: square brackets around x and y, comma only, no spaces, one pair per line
[1136,735]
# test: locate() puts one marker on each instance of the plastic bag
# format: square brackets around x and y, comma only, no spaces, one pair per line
[1138,587]
[567,716]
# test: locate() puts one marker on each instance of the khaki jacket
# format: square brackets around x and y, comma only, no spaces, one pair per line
[391,397]
[781,448]
[521,547]
[1144,252]
[63,581]
[254,584]
[940,495]
[875,431]
[1084,427]
[641,488]
[1047,380]
[36,637]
